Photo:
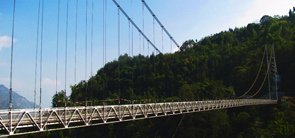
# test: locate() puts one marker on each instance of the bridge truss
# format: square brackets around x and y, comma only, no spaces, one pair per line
[49,119]
[24,121]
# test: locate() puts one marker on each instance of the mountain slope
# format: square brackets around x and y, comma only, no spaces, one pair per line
[229,60]
[18,101]
[217,66]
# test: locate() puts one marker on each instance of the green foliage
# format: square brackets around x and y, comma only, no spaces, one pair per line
[206,89]
[59,99]
[219,66]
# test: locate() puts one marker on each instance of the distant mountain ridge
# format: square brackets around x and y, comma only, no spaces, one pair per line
[18,101]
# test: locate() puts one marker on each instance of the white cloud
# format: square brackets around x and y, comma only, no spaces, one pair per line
[175,49]
[50,83]
[258,8]
[4,81]
[3,64]
[17,85]
[5,42]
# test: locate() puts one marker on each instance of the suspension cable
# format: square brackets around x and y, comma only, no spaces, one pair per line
[139,39]
[57,47]
[162,38]
[86,39]
[133,71]
[119,77]
[148,46]
[138,29]
[36,55]
[143,41]
[276,71]
[148,49]
[104,3]
[162,26]
[171,47]
[129,37]
[257,75]
[132,31]
[91,45]
[105,23]
[103,32]
[178,125]
[268,66]
[132,41]
[11,67]
[66,52]
[41,54]
[268,78]
[11,58]
[76,36]
[154,34]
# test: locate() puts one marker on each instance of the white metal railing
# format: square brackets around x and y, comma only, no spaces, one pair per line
[35,120]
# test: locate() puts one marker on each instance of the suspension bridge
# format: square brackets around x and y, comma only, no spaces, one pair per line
[39,119]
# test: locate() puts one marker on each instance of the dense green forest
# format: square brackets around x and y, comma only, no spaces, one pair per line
[219,66]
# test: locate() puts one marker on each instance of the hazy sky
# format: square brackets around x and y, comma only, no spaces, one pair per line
[184,19]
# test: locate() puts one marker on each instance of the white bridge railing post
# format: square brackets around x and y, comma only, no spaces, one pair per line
[78,116]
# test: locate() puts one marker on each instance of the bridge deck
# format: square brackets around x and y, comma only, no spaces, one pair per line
[32,121]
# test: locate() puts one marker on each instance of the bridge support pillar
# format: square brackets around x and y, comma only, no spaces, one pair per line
[66,126]
[11,133]
[41,129]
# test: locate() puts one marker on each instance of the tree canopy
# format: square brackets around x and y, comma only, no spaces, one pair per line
[219,66]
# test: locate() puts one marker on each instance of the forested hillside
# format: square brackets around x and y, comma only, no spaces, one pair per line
[222,65]
[218,66]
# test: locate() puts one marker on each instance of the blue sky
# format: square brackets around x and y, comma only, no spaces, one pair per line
[184,19]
